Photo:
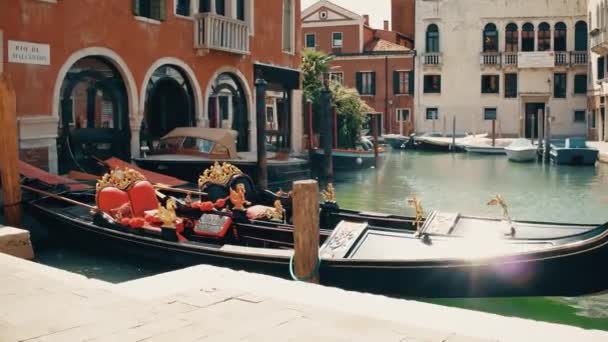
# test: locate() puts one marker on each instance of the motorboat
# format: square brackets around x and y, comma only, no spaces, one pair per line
[487,146]
[573,151]
[522,150]
[433,141]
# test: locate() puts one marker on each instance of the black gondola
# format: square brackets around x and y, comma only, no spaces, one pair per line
[449,256]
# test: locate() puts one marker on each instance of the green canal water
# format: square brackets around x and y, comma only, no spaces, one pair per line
[447,182]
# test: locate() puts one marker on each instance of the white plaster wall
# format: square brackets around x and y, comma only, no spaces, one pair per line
[461,25]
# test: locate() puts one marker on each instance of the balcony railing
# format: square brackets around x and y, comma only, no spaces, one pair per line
[490,58]
[599,43]
[432,58]
[510,59]
[579,58]
[216,32]
[561,58]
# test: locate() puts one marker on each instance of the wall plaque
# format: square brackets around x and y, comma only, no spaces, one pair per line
[539,59]
[29,53]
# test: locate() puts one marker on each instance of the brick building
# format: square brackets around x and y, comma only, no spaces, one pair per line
[379,63]
[104,79]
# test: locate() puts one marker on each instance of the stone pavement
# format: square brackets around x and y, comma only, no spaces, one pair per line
[603,147]
[204,303]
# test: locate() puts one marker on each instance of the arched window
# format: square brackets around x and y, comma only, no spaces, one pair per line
[512,38]
[527,37]
[490,38]
[580,36]
[559,37]
[432,38]
[544,37]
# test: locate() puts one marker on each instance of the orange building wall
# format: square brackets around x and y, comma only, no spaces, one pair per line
[403,14]
[350,36]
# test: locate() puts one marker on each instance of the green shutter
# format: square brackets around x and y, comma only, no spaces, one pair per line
[396,82]
[163,10]
[136,8]
[411,83]
[359,77]
[373,83]
[158,9]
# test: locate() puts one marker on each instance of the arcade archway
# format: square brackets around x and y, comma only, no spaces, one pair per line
[227,107]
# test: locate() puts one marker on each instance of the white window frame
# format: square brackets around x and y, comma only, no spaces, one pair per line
[291,49]
[187,17]
[339,78]
[436,118]
[574,116]
[333,45]
[407,83]
[398,114]
[306,40]
[363,73]
[483,113]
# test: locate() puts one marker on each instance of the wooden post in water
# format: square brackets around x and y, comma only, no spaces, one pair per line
[493,132]
[311,139]
[260,96]
[335,126]
[547,154]
[453,147]
[306,229]
[376,147]
[540,121]
[326,133]
[9,154]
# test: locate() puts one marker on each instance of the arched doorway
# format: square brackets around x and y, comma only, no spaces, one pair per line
[227,108]
[169,104]
[94,115]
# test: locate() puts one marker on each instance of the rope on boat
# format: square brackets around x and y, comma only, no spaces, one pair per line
[314,272]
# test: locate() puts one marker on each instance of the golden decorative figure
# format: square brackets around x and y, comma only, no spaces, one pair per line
[237,198]
[167,215]
[414,202]
[329,195]
[277,213]
[119,178]
[499,201]
[218,174]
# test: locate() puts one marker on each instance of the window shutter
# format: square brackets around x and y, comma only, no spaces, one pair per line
[136,8]
[359,82]
[158,9]
[162,14]
[411,83]
[396,82]
[373,83]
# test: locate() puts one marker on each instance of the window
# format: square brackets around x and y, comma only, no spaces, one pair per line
[220,7]
[311,40]
[432,114]
[153,9]
[204,6]
[401,82]
[432,38]
[240,10]
[544,37]
[489,84]
[580,84]
[336,40]
[510,85]
[490,38]
[337,77]
[527,37]
[432,83]
[560,34]
[592,114]
[511,38]
[366,83]
[580,36]
[559,85]
[489,113]
[600,68]
[403,115]
[182,7]
[580,116]
[288,22]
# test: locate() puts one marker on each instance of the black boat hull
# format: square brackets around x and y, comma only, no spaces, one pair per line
[570,272]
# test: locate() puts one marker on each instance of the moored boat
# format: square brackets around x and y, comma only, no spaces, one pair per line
[522,150]
[396,141]
[444,143]
[574,151]
[234,225]
[487,146]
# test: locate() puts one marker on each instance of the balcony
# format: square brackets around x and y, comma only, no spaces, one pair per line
[561,58]
[579,58]
[509,59]
[490,59]
[216,32]
[599,43]
[432,59]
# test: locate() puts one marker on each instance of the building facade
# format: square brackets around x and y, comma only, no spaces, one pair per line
[103,80]
[508,60]
[598,88]
[379,63]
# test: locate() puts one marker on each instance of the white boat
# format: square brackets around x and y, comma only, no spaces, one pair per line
[522,150]
[485,146]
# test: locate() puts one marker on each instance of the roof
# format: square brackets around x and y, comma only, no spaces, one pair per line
[220,136]
[385,45]
[331,6]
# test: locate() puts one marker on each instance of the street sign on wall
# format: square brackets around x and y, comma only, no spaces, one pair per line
[28,53]
[538,59]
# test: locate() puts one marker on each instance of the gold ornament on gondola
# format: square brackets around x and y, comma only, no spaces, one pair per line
[329,195]
[414,202]
[277,213]
[119,178]
[500,201]
[218,174]
[167,214]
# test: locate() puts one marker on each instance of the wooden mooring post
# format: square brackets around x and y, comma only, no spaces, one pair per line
[326,133]
[547,151]
[306,230]
[375,135]
[311,140]
[260,96]
[9,154]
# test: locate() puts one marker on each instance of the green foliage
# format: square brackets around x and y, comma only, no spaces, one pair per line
[314,65]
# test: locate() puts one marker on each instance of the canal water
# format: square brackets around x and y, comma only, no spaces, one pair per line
[447,182]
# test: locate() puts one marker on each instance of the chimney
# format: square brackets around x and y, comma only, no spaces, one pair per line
[366,19]
[386,25]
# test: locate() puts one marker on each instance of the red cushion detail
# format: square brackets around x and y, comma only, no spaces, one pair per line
[111,198]
[143,198]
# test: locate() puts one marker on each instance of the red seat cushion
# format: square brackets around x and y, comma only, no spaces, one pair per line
[143,198]
[109,199]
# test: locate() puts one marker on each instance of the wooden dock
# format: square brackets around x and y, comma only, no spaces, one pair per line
[603,147]
[205,303]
